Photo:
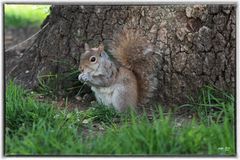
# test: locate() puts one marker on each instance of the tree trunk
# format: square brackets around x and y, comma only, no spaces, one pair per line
[196,44]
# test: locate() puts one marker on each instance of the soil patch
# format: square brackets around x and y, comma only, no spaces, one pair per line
[13,36]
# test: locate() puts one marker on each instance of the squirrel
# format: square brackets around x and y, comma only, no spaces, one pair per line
[126,79]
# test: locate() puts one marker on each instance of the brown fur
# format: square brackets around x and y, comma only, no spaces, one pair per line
[128,49]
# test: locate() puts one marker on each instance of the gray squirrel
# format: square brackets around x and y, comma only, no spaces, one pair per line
[127,79]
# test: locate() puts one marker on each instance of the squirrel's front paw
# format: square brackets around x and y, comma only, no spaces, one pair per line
[83,77]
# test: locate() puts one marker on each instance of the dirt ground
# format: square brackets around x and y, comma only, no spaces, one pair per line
[14,36]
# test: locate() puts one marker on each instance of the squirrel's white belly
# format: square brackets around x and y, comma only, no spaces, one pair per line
[104,95]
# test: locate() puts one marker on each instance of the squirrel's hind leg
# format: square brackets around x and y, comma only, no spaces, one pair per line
[122,99]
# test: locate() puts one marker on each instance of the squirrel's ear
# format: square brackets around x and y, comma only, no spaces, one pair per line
[101,47]
[86,47]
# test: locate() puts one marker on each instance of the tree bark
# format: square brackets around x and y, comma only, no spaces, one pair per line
[196,44]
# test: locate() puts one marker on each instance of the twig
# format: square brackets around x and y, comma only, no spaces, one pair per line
[80,89]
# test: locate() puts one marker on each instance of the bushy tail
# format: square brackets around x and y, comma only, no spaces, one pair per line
[134,52]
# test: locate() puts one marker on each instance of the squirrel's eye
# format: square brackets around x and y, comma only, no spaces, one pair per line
[93,59]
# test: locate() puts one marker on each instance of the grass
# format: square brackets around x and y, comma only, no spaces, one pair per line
[212,105]
[37,128]
[64,84]
[18,15]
